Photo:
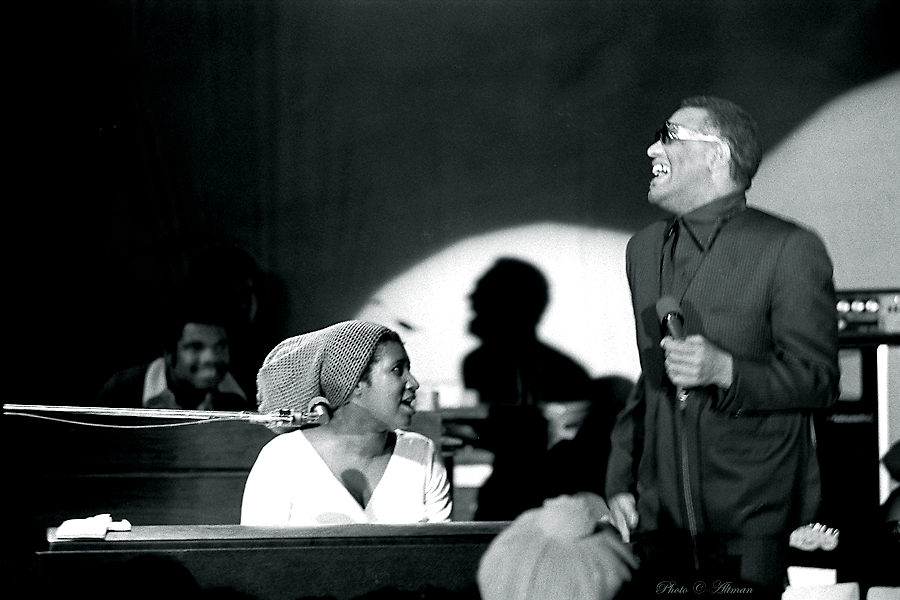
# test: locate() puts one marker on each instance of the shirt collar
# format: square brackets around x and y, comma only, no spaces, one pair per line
[716,209]
[704,222]
[158,395]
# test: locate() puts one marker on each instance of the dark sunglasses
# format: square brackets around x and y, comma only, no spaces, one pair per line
[670,132]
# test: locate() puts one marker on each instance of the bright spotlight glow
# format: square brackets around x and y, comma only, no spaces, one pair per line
[837,173]
[588,317]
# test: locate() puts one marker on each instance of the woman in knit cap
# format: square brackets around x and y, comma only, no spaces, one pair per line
[360,466]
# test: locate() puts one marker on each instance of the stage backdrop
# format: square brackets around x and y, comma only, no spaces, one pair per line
[375,157]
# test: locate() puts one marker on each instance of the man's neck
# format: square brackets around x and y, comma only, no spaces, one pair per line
[186,395]
[716,207]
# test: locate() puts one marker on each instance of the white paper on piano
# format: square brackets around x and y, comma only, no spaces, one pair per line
[811,576]
[90,528]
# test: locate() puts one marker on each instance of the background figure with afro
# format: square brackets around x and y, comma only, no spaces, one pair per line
[192,374]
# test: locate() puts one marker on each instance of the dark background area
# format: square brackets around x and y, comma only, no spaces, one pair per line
[343,142]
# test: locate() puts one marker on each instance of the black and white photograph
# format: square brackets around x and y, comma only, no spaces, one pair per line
[454,300]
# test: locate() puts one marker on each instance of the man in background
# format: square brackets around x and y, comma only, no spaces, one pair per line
[192,374]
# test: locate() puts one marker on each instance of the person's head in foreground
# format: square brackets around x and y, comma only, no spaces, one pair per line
[563,550]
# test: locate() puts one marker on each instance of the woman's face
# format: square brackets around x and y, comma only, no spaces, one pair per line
[389,392]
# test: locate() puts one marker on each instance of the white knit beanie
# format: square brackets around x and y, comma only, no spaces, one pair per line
[325,363]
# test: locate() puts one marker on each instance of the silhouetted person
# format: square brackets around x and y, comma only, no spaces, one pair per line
[518,376]
[512,366]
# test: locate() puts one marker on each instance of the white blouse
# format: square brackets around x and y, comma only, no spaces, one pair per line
[290,484]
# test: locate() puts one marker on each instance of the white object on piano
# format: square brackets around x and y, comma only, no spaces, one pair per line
[811,576]
[838,591]
[90,528]
[814,536]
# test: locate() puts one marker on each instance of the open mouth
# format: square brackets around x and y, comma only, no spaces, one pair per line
[408,401]
[660,169]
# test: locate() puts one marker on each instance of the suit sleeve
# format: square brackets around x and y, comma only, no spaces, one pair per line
[801,371]
[625,444]
[625,438]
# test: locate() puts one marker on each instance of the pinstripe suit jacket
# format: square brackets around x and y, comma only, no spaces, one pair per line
[743,458]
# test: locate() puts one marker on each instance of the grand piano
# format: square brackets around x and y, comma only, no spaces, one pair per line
[436,560]
[180,486]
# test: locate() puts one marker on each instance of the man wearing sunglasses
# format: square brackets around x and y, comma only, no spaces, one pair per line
[713,461]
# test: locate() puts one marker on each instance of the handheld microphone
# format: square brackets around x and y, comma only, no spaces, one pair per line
[669,312]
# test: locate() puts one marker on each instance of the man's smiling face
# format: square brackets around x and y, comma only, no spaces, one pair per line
[682,168]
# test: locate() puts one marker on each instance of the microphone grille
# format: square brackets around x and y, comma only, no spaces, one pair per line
[317,402]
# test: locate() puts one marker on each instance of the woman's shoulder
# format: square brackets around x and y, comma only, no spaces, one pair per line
[282,441]
[414,440]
